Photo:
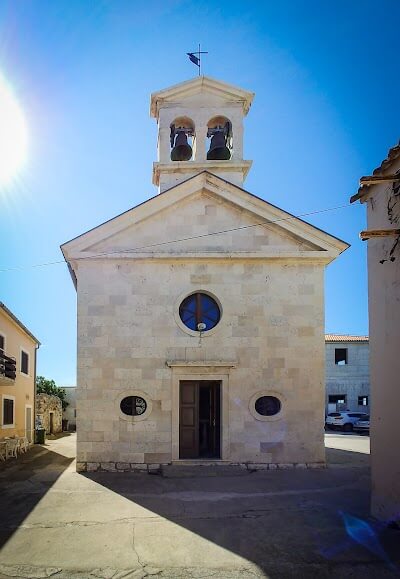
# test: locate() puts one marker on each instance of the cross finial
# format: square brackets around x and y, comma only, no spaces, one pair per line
[195,57]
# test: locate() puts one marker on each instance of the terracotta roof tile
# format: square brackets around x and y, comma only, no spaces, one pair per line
[18,322]
[393,154]
[345,338]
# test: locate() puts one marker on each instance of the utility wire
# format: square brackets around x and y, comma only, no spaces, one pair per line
[135,249]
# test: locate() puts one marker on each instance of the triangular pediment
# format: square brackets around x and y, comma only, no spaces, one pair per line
[193,91]
[205,216]
[202,222]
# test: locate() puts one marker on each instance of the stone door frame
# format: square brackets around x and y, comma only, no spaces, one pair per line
[211,371]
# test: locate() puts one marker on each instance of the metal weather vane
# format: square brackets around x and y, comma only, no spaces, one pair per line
[195,57]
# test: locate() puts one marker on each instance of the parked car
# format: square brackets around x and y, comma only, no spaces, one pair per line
[362,425]
[344,420]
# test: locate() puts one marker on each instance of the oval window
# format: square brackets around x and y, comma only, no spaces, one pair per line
[268,405]
[133,405]
[199,312]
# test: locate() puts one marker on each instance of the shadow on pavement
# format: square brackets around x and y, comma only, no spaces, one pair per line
[288,523]
[336,457]
[275,524]
[19,495]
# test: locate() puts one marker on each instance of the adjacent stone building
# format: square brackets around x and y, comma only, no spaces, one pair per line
[347,373]
[49,412]
[201,310]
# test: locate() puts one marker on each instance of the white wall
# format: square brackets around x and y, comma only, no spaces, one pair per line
[70,412]
[384,320]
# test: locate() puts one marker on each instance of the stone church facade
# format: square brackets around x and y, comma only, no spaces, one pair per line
[201,310]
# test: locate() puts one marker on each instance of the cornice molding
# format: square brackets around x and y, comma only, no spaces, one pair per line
[179,92]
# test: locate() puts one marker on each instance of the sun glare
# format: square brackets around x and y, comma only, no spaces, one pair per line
[13,135]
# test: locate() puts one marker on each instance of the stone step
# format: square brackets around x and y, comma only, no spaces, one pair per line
[198,471]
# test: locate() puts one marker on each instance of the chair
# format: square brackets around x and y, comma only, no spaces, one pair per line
[3,450]
[12,445]
[23,444]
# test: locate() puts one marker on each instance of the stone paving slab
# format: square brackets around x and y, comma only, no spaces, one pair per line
[55,522]
[281,571]
[180,471]
[82,543]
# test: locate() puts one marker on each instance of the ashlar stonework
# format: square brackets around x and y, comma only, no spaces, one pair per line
[265,272]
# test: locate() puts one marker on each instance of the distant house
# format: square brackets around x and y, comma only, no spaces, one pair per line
[347,373]
[69,413]
[49,412]
[18,348]
[381,193]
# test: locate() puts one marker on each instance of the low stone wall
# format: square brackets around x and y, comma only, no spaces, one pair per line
[153,468]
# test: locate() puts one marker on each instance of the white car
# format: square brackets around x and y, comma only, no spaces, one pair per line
[362,425]
[344,420]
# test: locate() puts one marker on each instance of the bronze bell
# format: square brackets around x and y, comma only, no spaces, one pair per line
[218,150]
[182,151]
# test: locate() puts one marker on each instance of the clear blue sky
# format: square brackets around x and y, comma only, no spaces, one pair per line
[327,84]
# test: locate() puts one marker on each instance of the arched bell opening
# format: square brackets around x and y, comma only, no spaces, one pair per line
[219,134]
[182,139]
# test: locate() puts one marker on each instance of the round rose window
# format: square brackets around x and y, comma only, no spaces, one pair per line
[267,405]
[133,405]
[199,312]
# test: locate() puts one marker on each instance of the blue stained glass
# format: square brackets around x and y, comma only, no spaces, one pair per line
[198,309]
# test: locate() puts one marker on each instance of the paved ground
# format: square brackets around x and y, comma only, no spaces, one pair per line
[277,524]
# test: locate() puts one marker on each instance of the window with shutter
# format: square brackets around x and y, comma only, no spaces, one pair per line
[8,411]
[2,340]
[24,362]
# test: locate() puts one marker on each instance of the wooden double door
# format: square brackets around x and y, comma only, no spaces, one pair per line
[199,419]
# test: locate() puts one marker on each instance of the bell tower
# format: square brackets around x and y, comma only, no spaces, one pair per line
[200,128]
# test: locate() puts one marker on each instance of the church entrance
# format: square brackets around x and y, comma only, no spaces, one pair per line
[199,419]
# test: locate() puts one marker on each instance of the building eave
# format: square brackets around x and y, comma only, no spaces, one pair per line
[196,85]
[315,257]
[185,166]
[365,235]
[19,323]
[392,156]
[340,338]
[368,182]
[76,248]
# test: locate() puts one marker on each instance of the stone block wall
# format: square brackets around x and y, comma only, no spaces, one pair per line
[271,326]
[45,403]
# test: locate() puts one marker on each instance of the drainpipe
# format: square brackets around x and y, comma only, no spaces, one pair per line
[34,396]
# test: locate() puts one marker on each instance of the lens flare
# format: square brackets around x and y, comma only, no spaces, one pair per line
[13,135]
[363,534]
